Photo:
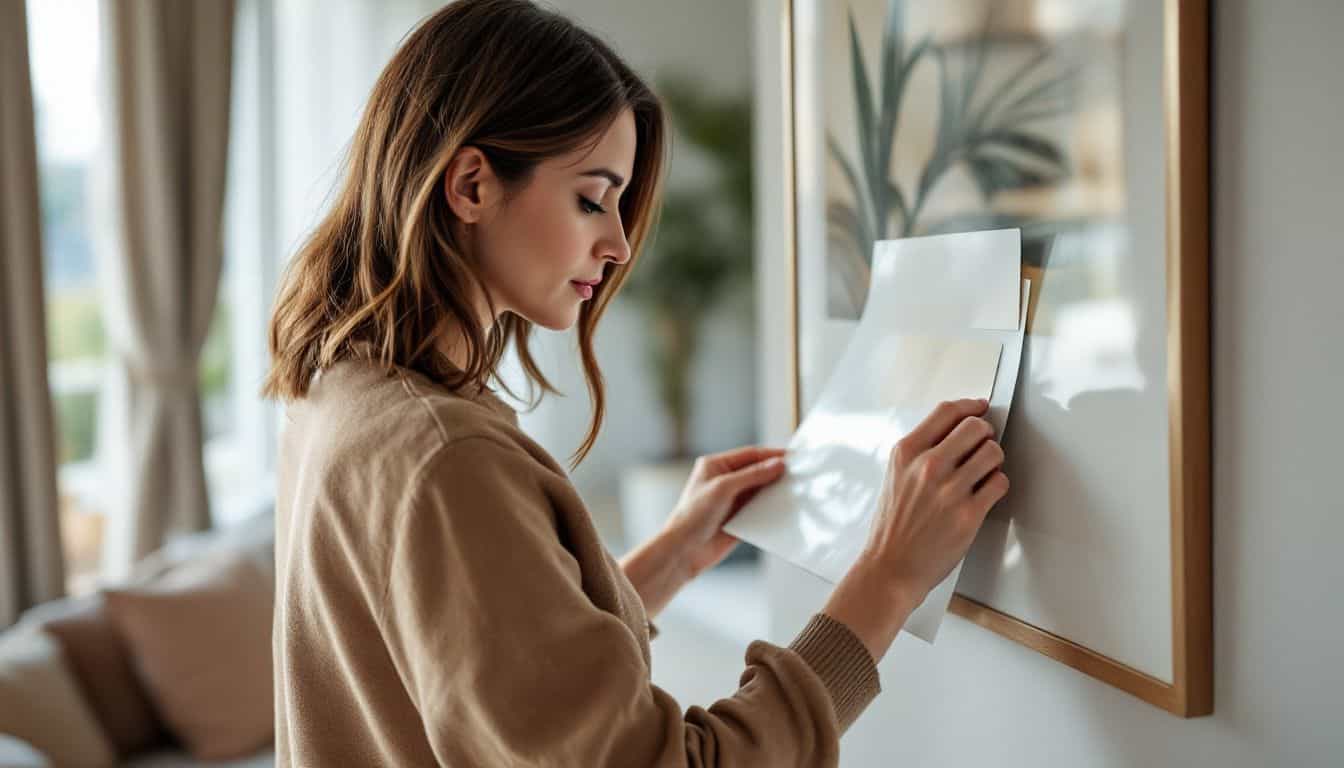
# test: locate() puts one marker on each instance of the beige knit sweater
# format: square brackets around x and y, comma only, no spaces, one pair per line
[444,599]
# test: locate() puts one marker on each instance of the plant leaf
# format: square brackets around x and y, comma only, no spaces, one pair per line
[895,95]
[893,60]
[842,223]
[1009,84]
[897,200]
[1038,147]
[1044,91]
[866,118]
[1020,119]
[893,70]
[921,48]
[971,78]
[861,201]
[852,271]
[948,129]
[994,173]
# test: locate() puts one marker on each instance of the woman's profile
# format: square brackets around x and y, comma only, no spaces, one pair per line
[443,597]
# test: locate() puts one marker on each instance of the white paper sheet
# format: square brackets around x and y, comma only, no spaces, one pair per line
[928,617]
[950,290]
[946,282]
[819,514]
[1005,382]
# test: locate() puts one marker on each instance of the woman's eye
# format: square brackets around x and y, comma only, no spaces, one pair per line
[588,206]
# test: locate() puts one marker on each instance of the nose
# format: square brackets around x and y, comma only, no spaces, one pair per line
[614,246]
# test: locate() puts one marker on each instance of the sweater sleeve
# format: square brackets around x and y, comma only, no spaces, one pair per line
[510,663]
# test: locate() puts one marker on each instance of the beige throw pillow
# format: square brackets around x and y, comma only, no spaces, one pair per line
[200,638]
[40,703]
[101,664]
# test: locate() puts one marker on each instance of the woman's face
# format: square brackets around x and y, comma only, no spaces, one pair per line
[552,233]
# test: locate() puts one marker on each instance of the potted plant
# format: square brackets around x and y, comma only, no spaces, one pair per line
[700,254]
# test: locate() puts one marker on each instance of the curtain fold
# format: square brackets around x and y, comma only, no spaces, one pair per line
[31,565]
[167,66]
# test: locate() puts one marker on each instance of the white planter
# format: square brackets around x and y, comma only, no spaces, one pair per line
[649,492]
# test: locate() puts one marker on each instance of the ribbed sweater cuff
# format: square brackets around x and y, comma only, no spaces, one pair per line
[843,664]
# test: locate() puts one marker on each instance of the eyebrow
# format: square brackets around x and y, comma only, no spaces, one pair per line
[615,178]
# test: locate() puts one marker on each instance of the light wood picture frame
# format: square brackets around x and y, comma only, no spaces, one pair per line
[1180,341]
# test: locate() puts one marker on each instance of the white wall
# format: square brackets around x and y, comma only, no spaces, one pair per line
[1278,272]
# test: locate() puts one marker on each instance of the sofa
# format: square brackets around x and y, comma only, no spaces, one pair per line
[168,668]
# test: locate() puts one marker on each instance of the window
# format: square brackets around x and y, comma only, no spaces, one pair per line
[64,49]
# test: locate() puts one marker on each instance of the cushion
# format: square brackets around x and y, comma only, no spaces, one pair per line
[54,609]
[170,759]
[20,754]
[254,536]
[40,703]
[101,664]
[200,641]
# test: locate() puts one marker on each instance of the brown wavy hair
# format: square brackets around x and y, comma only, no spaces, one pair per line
[520,83]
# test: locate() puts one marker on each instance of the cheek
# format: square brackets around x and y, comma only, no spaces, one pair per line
[553,234]
[537,246]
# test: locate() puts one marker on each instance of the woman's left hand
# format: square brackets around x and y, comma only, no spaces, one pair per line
[720,484]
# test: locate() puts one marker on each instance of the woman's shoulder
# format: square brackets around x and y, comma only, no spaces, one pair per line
[387,421]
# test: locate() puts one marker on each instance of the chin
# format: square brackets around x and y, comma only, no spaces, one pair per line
[556,326]
[555,321]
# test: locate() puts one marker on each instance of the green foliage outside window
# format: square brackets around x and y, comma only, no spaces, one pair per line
[75,332]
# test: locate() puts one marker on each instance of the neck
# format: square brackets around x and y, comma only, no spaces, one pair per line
[453,344]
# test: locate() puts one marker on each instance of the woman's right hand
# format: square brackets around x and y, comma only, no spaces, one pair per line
[942,479]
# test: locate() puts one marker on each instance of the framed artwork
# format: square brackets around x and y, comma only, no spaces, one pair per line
[1085,124]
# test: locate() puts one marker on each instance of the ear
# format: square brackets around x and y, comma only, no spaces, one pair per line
[470,184]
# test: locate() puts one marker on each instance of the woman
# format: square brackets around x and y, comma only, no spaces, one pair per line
[443,597]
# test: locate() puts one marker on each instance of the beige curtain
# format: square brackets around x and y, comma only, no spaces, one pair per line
[31,569]
[167,65]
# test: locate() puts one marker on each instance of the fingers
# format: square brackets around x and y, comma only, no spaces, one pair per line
[944,418]
[963,441]
[987,458]
[741,457]
[751,476]
[989,494]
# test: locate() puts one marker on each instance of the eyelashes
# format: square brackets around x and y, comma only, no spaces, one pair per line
[588,206]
